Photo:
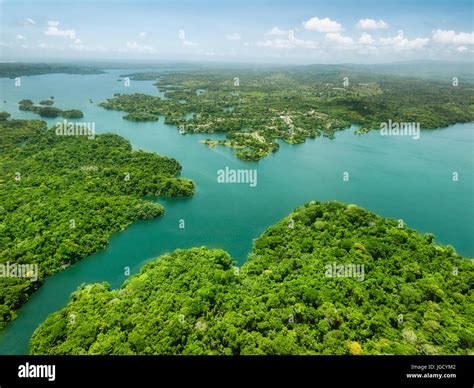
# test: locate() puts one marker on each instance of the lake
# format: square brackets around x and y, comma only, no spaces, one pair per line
[396,177]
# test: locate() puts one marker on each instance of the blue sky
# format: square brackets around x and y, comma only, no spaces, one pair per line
[239,31]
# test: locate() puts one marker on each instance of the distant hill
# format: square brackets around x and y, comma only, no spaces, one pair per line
[436,70]
[17,69]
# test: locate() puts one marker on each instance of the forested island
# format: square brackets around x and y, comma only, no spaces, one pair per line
[414,296]
[17,69]
[45,109]
[258,107]
[63,196]
[145,76]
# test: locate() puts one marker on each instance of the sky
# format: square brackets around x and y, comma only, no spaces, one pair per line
[292,31]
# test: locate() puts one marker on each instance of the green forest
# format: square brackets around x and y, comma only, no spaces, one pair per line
[256,108]
[16,69]
[416,297]
[63,196]
[45,109]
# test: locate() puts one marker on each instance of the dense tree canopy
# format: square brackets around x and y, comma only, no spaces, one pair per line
[44,109]
[63,196]
[257,107]
[16,69]
[415,297]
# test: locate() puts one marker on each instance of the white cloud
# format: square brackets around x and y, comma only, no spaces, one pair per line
[461,49]
[275,31]
[134,46]
[401,43]
[234,36]
[322,25]
[445,36]
[289,43]
[371,24]
[77,45]
[187,43]
[54,30]
[20,37]
[311,44]
[366,39]
[142,35]
[338,38]
[275,43]
[29,22]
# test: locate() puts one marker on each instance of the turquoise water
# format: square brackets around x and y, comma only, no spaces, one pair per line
[393,176]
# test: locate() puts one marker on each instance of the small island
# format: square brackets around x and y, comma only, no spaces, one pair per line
[45,109]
